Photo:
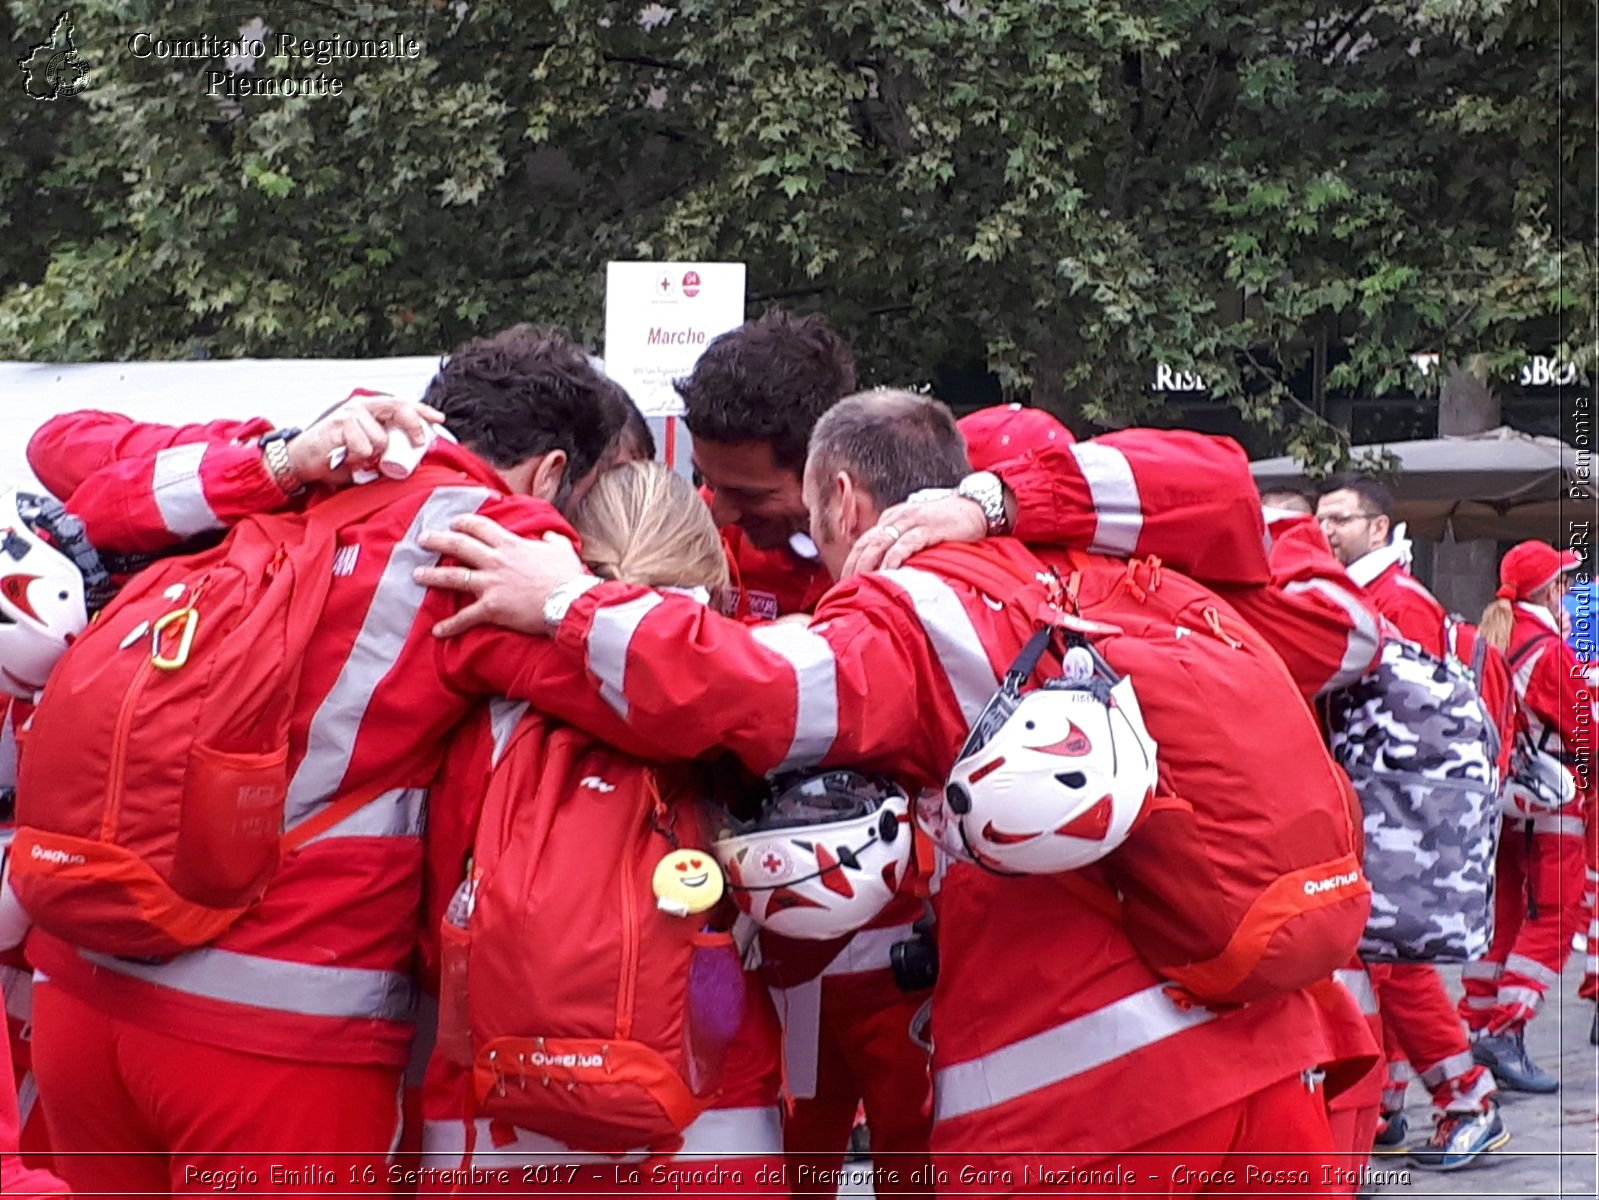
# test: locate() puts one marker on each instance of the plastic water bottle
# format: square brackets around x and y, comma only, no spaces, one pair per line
[462,903]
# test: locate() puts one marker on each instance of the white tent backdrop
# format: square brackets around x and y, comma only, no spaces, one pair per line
[287,391]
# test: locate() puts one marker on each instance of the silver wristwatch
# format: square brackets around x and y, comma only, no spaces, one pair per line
[561,599]
[275,453]
[988,491]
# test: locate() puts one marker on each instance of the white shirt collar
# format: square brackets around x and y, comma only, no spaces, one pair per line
[1373,563]
[703,595]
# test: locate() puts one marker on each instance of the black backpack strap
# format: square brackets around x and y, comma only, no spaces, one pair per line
[1528,646]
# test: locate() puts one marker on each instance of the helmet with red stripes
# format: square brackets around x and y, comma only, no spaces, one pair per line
[1052,779]
[43,586]
[825,855]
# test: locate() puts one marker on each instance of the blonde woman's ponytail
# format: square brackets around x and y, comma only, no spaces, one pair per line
[642,522]
[1497,621]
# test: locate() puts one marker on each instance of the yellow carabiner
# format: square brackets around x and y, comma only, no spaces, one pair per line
[190,616]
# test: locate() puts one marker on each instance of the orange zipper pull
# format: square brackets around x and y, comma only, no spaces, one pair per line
[1213,620]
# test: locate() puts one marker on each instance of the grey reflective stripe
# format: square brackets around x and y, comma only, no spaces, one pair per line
[815,689]
[179,494]
[1481,1002]
[1064,1052]
[1359,985]
[610,634]
[504,716]
[1571,826]
[390,619]
[1531,997]
[398,813]
[1119,516]
[27,1097]
[1531,969]
[868,950]
[1449,1068]
[1364,638]
[1482,970]
[275,984]
[954,639]
[1400,1072]
[715,1134]
[18,988]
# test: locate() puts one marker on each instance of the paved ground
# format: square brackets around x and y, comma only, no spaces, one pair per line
[1554,1139]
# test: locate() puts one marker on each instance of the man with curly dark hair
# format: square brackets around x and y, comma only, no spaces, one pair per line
[750,404]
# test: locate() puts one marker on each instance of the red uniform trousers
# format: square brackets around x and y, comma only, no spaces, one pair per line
[1590,902]
[134,1111]
[1422,1032]
[1356,1112]
[864,1055]
[1538,903]
[16,982]
[1276,1141]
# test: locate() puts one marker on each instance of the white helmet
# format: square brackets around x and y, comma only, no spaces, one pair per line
[42,589]
[824,857]
[1054,779]
[1539,782]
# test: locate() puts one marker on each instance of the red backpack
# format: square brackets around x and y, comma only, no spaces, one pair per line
[150,799]
[1242,879]
[582,1010]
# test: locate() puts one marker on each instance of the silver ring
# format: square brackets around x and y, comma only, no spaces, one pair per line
[892,531]
[467,578]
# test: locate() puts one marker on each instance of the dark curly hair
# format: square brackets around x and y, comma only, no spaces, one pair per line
[525,392]
[769,380]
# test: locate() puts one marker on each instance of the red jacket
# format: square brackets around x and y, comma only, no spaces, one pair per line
[1554,697]
[1411,609]
[1026,964]
[321,968]
[143,488]
[767,584]
[1190,500]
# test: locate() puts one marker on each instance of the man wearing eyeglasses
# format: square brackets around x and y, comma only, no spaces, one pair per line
[1421,1027]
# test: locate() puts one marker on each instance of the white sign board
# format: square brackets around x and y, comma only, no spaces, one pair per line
[286,391]
[659,317]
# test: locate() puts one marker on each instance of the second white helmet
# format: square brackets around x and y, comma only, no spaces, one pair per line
[825,855]
[1052,779]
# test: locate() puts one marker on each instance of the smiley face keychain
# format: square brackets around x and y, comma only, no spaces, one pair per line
[687,881]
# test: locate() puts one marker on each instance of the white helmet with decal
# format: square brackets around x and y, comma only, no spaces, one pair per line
[825,855]
[1052,779]
[43,584]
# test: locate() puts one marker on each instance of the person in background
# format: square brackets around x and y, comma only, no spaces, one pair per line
[1542,859]
[1582,606]
[1422,1030]
[1288,500]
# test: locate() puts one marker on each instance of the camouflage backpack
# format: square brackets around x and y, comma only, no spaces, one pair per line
[1420,747]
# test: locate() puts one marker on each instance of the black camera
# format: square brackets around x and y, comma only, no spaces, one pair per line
[915,960]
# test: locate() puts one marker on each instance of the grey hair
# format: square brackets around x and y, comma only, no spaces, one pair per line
[891,443]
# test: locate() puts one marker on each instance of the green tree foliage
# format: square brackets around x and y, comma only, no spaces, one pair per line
[1069,191]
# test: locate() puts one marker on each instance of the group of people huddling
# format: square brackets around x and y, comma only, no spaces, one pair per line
[527,819]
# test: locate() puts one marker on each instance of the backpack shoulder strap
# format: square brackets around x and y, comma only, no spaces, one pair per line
[1527,647]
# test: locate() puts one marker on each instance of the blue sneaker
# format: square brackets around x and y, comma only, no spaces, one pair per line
[1459,1139]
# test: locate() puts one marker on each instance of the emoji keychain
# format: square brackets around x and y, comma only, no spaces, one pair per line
[687,881]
